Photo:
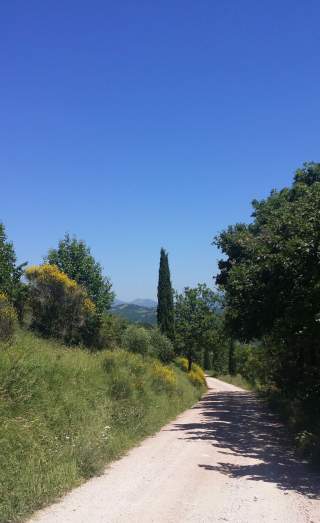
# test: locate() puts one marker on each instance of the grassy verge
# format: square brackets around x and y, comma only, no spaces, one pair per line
[65,413]
[237,380]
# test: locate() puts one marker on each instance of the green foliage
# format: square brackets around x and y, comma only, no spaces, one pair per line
[271,281]
[198,327]
[137,339]
[65,414]
[8,319]
[111,331]
[165,311]
[162,346]
[10,274]
[195,375]
[73,257]
[60,307]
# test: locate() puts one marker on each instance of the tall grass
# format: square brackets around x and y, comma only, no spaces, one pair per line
[65,413]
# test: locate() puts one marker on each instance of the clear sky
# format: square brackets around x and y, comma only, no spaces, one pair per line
[141,124]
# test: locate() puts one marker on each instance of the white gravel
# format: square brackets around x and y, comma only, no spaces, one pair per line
[223,460]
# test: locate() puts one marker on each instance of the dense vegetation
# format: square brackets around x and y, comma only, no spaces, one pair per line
[271,283]
[65,413]
[78,385]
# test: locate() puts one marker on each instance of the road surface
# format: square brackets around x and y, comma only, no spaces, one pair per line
[223,460]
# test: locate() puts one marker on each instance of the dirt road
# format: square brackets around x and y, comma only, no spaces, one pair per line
[223,460]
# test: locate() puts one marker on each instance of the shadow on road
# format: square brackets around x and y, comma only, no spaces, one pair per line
[237,423]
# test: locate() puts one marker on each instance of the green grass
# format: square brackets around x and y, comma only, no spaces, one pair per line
[237,380]
[66,413]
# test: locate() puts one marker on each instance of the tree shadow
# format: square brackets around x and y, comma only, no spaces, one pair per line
[239,424]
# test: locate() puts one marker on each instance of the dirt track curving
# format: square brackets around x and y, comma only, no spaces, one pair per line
[223,460]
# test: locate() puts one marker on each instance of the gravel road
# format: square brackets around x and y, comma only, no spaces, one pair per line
[225,459]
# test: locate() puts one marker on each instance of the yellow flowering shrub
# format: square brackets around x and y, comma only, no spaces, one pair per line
[182,363]
[163,378]
[60,307]
[196,375]
[8,318]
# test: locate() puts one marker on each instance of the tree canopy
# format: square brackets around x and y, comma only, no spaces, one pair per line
[271,274]
[197,324]
[74,258]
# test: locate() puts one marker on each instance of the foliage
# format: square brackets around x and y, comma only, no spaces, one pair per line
[165,311]
[271,281]
[137,339]
[10,274]
[162,346]
[8,318]
[73,257]
[164,378]
[60,307]
[196,322]
[64,414]
[195,375]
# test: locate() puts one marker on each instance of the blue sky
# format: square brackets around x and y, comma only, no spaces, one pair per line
[136,125]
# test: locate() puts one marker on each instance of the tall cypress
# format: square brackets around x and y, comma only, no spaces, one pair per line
[165,312]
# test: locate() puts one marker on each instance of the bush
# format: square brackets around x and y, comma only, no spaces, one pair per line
[163,378]
[162,346]
[60,307]
[182,363]
[8,318]
[137,339]
[196,375]
[111,331]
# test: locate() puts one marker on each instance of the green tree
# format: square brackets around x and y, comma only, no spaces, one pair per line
[60,307]
[271,280]
[10,274]
[165,311]
[196,321]
[73,257]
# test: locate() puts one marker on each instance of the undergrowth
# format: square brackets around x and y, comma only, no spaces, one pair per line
[66,413]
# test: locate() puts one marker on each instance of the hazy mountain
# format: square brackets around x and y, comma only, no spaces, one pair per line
[135,313]
[149,304]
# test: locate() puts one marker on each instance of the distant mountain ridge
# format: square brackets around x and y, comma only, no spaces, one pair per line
[141,302]
[135,313]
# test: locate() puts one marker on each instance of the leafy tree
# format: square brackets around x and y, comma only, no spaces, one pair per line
[197,324]
[165,311]
[60,307]
[162,346]
[7,318]
[137,339]
[10,274]
[73,257]
[271,280]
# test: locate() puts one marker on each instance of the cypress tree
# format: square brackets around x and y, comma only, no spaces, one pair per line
[165,312]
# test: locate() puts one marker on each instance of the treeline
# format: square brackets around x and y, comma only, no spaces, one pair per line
[270,279]
[68,298]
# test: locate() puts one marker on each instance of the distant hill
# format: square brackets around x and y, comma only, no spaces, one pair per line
[135,313]
[149,304]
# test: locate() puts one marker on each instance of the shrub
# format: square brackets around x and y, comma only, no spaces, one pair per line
[162,346]
[137,339]
[196,375]
[8,318]
[60,307]
[163,378]
[182,363]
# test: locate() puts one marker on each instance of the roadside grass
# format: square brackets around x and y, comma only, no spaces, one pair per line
[237,380]
[66,413]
